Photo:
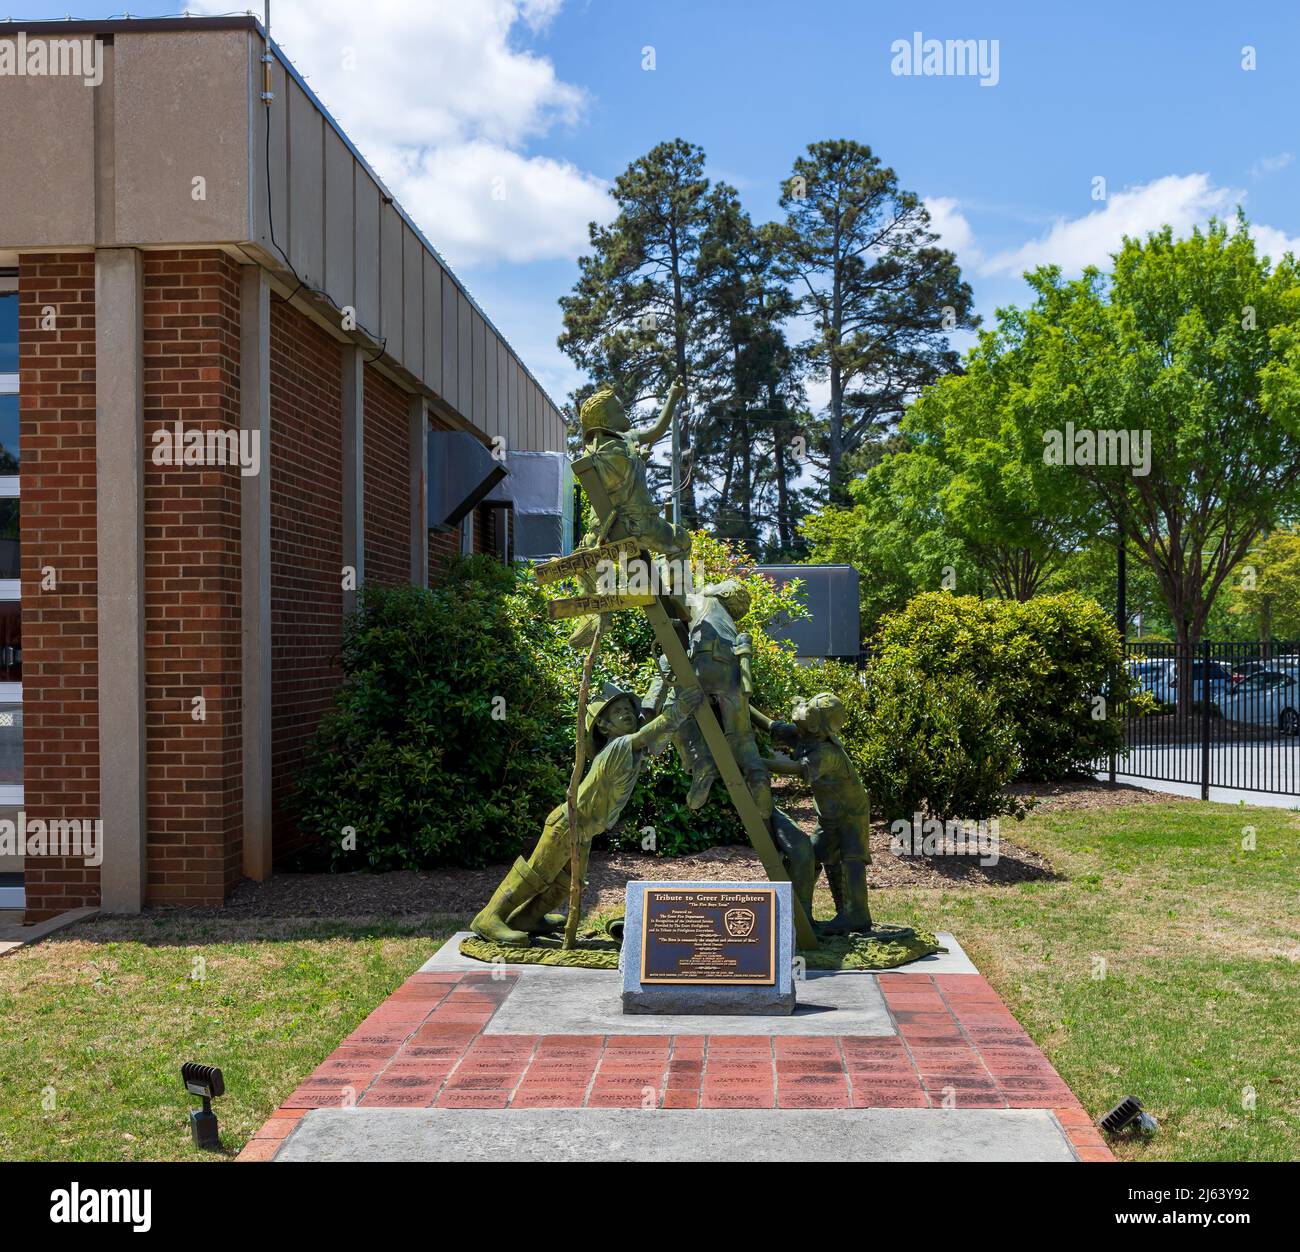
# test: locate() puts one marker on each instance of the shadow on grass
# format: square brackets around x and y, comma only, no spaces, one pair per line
[195,927]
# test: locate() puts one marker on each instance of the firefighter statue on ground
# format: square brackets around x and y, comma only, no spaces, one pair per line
[840,842]
[618,738]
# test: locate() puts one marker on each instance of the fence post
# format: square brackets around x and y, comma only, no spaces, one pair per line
[1123,682]
[1205,719]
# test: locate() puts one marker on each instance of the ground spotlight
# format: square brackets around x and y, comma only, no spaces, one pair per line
[1128,1112]
[206,1082]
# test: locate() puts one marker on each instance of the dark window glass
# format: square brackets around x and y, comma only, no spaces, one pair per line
[8,332]
[8,435]
[9,538]
[11,744]
[11,642]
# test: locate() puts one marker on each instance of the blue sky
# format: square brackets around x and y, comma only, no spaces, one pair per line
[548,100]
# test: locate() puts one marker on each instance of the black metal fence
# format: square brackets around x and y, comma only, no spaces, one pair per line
[1220,715]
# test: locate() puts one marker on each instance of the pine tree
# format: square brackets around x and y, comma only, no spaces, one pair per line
[634,316]
[881,295]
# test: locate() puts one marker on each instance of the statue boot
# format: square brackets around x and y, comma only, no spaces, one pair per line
[835,881]
[521,885]
[848,882]
[703,776]
[535,916]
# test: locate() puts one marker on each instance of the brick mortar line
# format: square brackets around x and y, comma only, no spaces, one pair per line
[595,1069]
[907,1047]
[844,1060]
[523,1073]
[478,1034]
[383,1069]
[997,1086]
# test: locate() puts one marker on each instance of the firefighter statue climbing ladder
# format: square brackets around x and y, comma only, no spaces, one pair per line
[656,609]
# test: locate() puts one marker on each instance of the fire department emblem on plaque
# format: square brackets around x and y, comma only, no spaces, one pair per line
[739,922]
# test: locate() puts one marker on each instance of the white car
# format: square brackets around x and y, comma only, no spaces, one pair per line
[1160,678]
[1269,697]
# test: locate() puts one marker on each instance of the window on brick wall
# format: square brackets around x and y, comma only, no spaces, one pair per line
[11,628]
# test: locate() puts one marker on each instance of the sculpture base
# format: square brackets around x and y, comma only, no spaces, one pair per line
[545,950]
[887,947]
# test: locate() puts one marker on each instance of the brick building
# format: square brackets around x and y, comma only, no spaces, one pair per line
[236,382]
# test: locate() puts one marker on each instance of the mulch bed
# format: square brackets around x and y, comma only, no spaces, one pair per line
[459,893]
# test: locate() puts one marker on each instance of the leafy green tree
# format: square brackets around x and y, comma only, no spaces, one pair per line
[1194,345]
[1265,594]
[746,439]
[881,294]
[892,532]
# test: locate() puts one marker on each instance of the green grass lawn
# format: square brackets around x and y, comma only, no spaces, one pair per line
[99,1027]
[1200,998]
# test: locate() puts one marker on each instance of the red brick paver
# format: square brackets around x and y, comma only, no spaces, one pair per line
[958,1046]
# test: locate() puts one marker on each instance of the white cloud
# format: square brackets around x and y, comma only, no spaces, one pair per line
[1178,200]
[1272,243]
[481,202]
[950,224]
[442,100]
[1271,164]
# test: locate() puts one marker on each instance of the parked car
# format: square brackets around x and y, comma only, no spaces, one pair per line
[1244,669]
[1269,697]
[1160,678]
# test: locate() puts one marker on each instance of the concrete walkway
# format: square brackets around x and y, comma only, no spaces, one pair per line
[704,1135]
[466,1063]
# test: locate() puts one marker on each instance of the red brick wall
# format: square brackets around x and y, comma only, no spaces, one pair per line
[192,583]
[60,626]
[387,512]
[306,546]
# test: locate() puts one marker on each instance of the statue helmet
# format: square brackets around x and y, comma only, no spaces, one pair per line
[610,693]
[602,411]
[733,594]
[826,713]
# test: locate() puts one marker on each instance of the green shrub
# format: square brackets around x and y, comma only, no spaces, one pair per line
[1044,661]
[451,737]
[920,742]
[934,743]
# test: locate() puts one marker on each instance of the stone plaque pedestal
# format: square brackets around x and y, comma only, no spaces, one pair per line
[723,948]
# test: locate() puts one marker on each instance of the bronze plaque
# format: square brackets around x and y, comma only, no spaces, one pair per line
[703,935]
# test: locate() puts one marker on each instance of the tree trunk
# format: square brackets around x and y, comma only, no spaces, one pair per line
[783,536]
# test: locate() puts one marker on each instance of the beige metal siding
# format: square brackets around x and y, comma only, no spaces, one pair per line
[491,417]
[306,246]
[340,219]
[390,278]
[432,322]
[185,103]
[412,302]
[366,298]
[464,354]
